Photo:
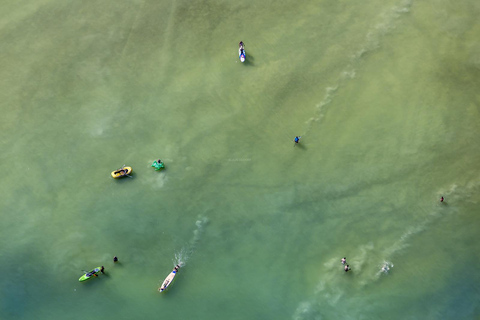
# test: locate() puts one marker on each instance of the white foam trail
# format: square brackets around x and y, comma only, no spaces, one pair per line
[385,268]
[372,42]
[453,193]
[182,256]
[329,92]
[386,24]
[359,260]
[329,291]
[348,74]
[401,243]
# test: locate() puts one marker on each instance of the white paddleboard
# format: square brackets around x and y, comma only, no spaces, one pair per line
[168,280]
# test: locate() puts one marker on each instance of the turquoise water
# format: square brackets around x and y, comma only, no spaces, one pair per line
[383,93]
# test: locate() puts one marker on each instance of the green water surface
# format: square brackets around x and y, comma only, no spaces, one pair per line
[383,93]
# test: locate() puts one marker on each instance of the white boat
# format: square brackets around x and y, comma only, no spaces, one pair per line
[169,279]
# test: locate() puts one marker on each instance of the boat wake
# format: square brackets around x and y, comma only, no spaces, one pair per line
[182,256]
[385,268]
[452,193]
[373,37]
[330,292]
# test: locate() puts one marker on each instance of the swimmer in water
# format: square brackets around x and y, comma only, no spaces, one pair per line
[297,140]
[347,268]
[344,260]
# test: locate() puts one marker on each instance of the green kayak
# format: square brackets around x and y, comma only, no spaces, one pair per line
[90,274]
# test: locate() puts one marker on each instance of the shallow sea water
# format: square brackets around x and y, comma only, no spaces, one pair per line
[383,93]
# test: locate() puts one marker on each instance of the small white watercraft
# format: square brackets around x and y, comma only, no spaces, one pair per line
[169,279]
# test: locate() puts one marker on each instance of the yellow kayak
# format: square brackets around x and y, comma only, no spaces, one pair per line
[122,172]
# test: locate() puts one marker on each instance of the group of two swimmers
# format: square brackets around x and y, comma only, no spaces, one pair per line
[347,267]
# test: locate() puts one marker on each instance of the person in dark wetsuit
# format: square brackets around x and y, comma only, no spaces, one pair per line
[115,259]
[102,269]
